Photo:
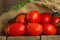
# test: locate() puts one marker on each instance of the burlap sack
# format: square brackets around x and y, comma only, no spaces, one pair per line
[36,5]
[54,5]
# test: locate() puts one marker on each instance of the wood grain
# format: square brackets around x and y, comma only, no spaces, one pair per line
[52,37]
[2,37]
[24,38]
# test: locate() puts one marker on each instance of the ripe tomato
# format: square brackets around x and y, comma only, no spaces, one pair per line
[34,29]
[46,17]
[55,20]
[49,29]
[15,29]
[33,16]
[58,29]
[21,18]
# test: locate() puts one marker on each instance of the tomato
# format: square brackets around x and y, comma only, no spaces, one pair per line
[34,29]
[33,16]
[58,29]
[15,29]
[46,17]
[21,18]
[55,20]
[49,29]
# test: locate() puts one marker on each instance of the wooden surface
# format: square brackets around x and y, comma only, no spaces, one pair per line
[53,37]
[24,38]
[2,37]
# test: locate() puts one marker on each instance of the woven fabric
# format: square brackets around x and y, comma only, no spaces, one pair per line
[54,5]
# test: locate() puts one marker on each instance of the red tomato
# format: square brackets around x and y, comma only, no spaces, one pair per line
[46,17]
[34,29]
[21,18]
[15,29]
[58,30]
[49,29]
[55,20]
[33,16]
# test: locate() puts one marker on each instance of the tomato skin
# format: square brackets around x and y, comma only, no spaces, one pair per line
[58,29]
[46,17]
[33,16]
[21,18]
[55,20]
[15,29]
[34,29]
[49,29]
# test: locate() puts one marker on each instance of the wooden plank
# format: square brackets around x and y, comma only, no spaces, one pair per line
[59,37]
[43,37]
[2,37]
[52,37]
[24,38]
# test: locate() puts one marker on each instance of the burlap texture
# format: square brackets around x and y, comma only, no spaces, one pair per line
[36,5]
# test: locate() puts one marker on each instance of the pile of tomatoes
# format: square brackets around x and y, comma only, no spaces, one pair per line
[33,24]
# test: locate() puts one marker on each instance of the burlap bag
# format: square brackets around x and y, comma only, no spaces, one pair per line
[36,5]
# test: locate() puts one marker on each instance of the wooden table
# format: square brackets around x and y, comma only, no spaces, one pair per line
[43,37]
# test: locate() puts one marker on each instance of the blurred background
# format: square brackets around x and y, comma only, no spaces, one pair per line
[5,5]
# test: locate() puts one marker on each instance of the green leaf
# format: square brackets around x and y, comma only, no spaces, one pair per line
[58,24]
[31,0]
[20,4]
[14,6]
[56,14]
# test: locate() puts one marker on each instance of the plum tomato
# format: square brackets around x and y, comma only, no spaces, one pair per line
[49,29]
[15,29]
[21,18]
[45,18]
[58,29]
[34,29]
[55,20]
[33,16]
